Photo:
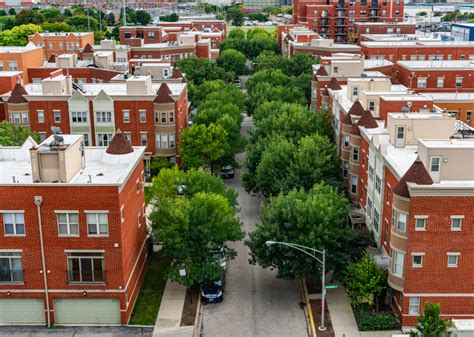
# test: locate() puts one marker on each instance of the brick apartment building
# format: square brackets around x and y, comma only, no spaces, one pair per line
[68,256]
[456,104]
[405,165]
[380,28]
[434,75]
[336,18]
[21,59]
[149,114]
[418,50]
[61,43]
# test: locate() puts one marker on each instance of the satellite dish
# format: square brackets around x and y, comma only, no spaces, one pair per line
[56,135]
[55,130]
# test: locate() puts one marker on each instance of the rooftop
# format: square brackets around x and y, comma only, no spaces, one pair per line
[421,44]
[100,168]
[65,33]
[450,96]
[448,143]
[18,49]
[439,64]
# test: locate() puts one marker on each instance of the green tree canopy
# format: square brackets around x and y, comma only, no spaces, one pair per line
[199,70]
[430,324]
[27,16]
[237,34]
[233,61]
[315,219]
[18,35]
[111,19]
[142,17]
[56,27]
[265,92]
[173,17]
[82,23]
[12,135]
[202,145]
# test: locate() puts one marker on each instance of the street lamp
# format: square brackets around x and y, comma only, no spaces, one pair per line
[305,249]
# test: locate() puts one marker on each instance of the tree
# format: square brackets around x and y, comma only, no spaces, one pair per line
[51,14]
[18,35]
[159,163]
[12,11]
[173,17]
[27,16]
[235,16]
[111,19]
[2,12]
[315,219]
[199,70]
[365,281]
[197,94]
[142,17]
[82,23]
[202,145]
[429,324]
[236,34]
[233,61]
[265,92]
[11,135]
[56,27]
[193,225]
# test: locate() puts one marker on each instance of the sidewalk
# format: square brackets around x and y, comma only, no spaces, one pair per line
[343,321]
[171,309]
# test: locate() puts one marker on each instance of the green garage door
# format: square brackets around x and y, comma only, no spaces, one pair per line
[87,311]
[22,311]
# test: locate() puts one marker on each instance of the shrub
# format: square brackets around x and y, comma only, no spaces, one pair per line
[368,320]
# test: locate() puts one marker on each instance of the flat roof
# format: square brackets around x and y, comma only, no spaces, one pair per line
[449,96]
[390,44]
[384,23]
[18,49]
[103,168]
[64,33]
[418,115]
[448,143]
[438,64]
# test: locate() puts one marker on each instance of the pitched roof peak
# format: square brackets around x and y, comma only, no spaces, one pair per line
[17,94]
[177,73]
[88,49]
[322,71]
[334,84]
[119,145]
[163,94]
[368,121]
[417,174]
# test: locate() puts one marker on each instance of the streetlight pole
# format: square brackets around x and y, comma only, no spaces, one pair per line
[322,261]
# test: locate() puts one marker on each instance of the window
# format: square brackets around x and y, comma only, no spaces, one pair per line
[378,184]
[14,223]
[354,184]
[171,117]
[440,82]
[1,65]
[11,267]
[13,65]
[355,154]
[85,267]
[139,220]
[369,207]
[453,259]
[388,194]
[143,139]
[398,262]
[166,73]
[42,135]
[355,91]
[414,306]
[40,114]
[402,221]
[103,116]
[79,117]
[421,82]
[127,35]
[420,223]
[164,141]
[371,106]
[468,116]
[157,140]
[371,173]
[163,117]
[104,139]
[435,162]
[171,139]
[346,141]
[128,137]
[456,222]
[57,116]
[68,223]
[345,169]
[151,35]
[376,220]
[97,223]
[126,116]
[458,82]
[417,260]
[142,116]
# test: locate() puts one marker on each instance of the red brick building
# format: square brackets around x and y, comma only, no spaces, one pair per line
[335,18]
[73,243]
[440,76]
[58,43]
[382,28]
[149,114]
[418,50]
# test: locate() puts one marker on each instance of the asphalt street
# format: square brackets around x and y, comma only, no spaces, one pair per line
[256,303]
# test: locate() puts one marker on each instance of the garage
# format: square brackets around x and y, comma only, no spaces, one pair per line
[22,311]
[87,311]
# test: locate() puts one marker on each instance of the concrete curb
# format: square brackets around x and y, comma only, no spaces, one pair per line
[308,310]
[199,314]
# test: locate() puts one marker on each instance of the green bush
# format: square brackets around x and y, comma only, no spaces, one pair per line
[368,320]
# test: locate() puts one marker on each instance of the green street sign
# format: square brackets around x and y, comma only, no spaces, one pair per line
[331,286]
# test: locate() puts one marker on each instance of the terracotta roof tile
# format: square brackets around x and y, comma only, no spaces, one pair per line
[356,110]
[163,94]
[17,94]
[417,174]
[88,49]
[322,71]
[355,129]
[368,121]
[334,84]
[177,73]
[52,59]
[119,145]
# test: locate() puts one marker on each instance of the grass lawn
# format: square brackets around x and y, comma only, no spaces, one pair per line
[245,28]
[151,292]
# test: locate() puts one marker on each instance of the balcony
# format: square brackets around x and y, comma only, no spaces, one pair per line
[341,23]
[374,14]
[341,33]
[340,15]
[324,23]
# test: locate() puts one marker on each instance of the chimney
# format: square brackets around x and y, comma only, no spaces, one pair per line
[139,85]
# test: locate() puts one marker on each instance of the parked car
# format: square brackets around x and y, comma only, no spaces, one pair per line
[219,255]
[213,291]
[227,171]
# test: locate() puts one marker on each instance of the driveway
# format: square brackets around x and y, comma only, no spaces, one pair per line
[256,303]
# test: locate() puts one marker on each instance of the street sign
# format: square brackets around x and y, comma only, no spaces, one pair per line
[331,286]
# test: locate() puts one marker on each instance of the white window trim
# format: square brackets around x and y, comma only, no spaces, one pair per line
[425,217]
[460,217]
[68,227]
[14,227]
[97,224]
[422,258]
[457,260]
[418,306]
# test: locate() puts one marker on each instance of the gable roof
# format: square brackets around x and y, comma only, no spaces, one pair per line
[356,110]
[163,94]
[17,94]
[334,84]
[119,145]
[368,121]
[88,49]
[176,73]
[322,71]
[52,59]
[417,174]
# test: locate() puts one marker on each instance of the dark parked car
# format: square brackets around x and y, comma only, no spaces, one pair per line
[213,291]
[227,171]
